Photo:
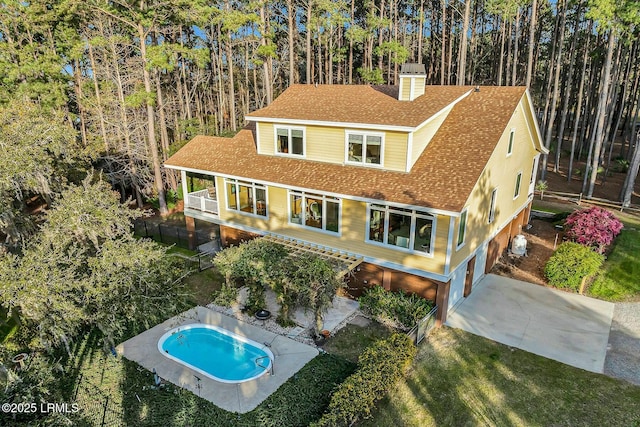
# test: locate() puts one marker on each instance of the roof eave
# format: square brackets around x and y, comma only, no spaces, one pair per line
[303,122]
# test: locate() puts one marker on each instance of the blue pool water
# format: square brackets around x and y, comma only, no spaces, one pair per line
[216,353]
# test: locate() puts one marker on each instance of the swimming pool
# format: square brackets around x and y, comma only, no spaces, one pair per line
[216,353]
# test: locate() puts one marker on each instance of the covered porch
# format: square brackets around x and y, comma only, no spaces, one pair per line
[200,192]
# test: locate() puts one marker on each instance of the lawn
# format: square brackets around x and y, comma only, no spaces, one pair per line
[619,278]
[202,285]
[459,379]
[124,394]
[350,341]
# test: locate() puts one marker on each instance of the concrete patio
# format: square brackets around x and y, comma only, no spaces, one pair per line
[290,357]
[570,328]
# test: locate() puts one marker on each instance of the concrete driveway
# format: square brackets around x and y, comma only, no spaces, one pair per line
[569,328]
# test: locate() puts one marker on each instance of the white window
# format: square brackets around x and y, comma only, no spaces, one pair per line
[290,141]
[315,211]
[492,205]
[407,229]
[246,197]
[462,229]
[516,192]
[364,148]
[512,136]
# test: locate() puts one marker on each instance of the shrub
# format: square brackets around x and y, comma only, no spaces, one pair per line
[570,263]
[379,368]
[595,227]
[226,296]
[399,308]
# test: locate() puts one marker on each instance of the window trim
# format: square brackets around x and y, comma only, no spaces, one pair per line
[325,199]
[518,184]
[289,130]
[364,134]
[492,205]
[512,137]
[236,195]
[462,225]
[414,214]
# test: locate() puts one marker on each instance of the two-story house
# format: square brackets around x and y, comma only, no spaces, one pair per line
[425,184]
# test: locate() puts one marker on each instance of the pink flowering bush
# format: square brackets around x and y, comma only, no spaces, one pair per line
[594,227]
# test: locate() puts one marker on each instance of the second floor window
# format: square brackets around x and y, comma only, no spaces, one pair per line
[289,141]
[512,136]
[246,197]
[516,191]
[364,148]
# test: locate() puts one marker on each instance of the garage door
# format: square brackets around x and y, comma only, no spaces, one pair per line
[457,285]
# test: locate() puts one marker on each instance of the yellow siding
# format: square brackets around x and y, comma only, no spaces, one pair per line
[395,151]
[418,90]
[500,172]
[422,136]
[353,229]
[406,89]
[327,144]
[266,141]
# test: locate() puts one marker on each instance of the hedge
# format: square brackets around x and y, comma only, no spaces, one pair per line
[403,310]
[571,263]
[379,368]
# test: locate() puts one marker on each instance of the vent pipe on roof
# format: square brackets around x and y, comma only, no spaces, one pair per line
[413,78]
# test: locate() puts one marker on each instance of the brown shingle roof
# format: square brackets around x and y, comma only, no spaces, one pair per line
[358,104]
[442,178]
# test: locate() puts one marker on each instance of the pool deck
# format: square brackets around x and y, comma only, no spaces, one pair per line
[290,357]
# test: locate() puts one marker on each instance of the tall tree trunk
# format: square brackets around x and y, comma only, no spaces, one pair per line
[151,128]
[516,38]
[500,62]
[291,27]
[443,45]
[266,64]
[532,35]
[96,88]
[420,32]
[585,57]
[462,63]
[601,115]
[554,98]
[632,173]
[450,63]
[308,37]
[565,102]
[77,87]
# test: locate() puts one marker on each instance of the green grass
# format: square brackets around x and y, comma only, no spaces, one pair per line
[350,341]
[202,285]
[135,401]
[178,250]
[459,379]
[619,280]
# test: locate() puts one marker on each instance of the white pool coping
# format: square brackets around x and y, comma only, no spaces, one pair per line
[289,357]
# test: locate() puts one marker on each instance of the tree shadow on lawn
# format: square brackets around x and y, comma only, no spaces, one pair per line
[299,401]
[461,379]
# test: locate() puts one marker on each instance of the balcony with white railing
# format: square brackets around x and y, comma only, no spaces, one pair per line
[203,200]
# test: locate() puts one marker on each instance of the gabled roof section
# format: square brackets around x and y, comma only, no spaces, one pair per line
[443,177]
[364,104]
